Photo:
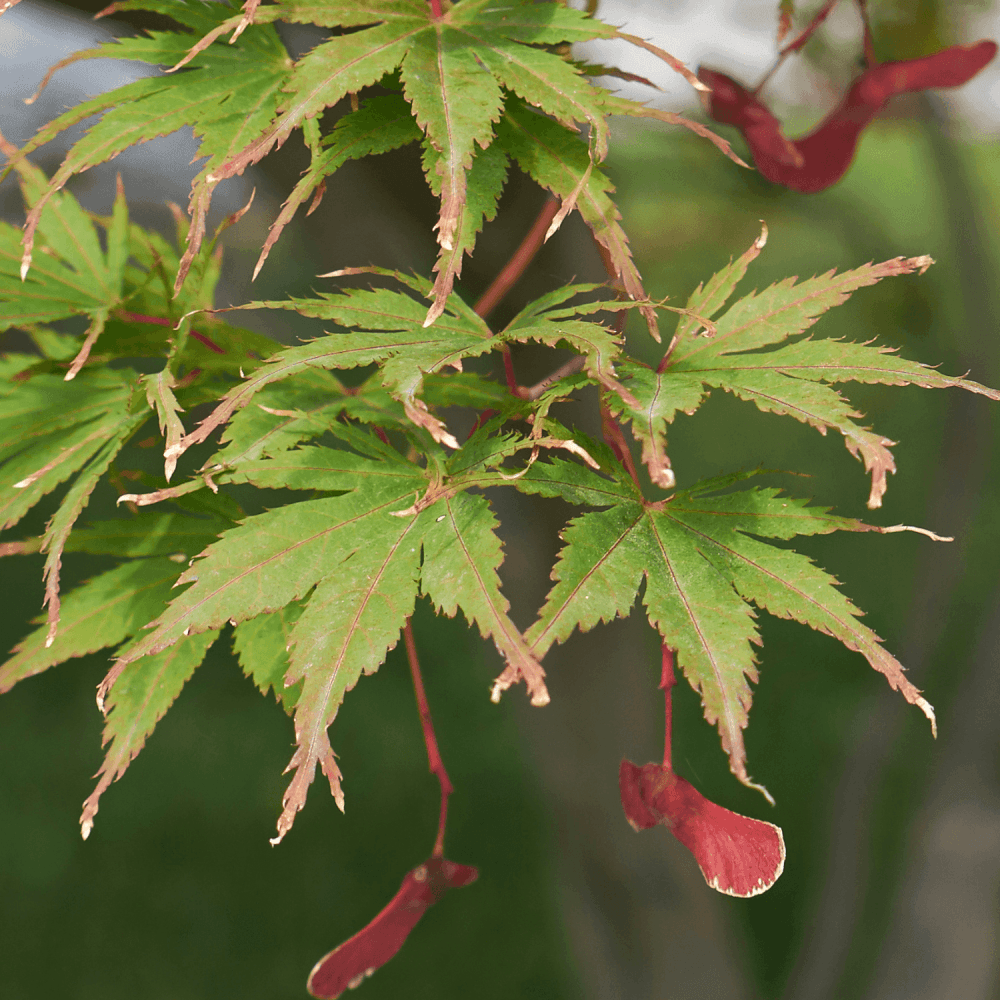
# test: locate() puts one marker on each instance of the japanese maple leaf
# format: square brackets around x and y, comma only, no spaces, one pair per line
[348,965]
[820,159]
[454,67]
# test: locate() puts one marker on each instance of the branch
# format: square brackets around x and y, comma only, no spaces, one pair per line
[434,761]
[512,271]
[667,681]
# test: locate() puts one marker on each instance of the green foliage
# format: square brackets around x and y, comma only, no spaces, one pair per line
[317,589]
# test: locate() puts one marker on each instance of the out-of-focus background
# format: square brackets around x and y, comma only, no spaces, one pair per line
[891,885]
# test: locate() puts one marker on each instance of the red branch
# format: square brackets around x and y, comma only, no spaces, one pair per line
[667,681]
[435,6]
[800,40]
[519,261]
[434,761]
[513,270]
[611,429]
[131,317]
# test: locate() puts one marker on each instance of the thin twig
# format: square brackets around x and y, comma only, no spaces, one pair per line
[667,681]
[610,427]
[434,761]
[519,260]
[511,272]
[869,44]
[571,367]
[797,43]
[615,438]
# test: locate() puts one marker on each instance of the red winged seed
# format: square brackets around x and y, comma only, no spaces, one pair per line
[737,855]
[821,158]
[348,965]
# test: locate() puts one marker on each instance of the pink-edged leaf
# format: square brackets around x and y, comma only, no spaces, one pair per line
[737,855]
[348,965]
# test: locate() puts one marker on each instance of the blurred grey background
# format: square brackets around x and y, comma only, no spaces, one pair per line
[891,885]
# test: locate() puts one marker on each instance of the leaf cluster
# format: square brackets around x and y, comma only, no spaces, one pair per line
[382,497]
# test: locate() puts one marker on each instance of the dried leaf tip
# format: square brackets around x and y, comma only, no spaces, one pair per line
[928,709]
[894,528]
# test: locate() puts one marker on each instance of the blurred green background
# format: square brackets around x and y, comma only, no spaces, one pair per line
[890,889]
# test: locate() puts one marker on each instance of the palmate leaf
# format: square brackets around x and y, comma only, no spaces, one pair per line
[227,94]
[702,567]
[456,72]
[453,70]
[391,331]
[75,276]
[357,563]
[747,355]
[138,700]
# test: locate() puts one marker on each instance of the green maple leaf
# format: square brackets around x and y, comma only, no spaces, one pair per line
[453,70]
[456,72]
[138,700]
[390,331]
[74,276]
[748,352]
[227,94]
[353,565]
[703,567]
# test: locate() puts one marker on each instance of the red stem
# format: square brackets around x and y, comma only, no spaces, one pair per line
[513,270]
[615,438]
[519,261]
[798,42]
[131,317]
[610,427]
[434,761]
[435,6]
[667,681]
[870,59]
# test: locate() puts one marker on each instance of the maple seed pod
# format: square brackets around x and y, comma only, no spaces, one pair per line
[348,965]
[737,855]
[820,159]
